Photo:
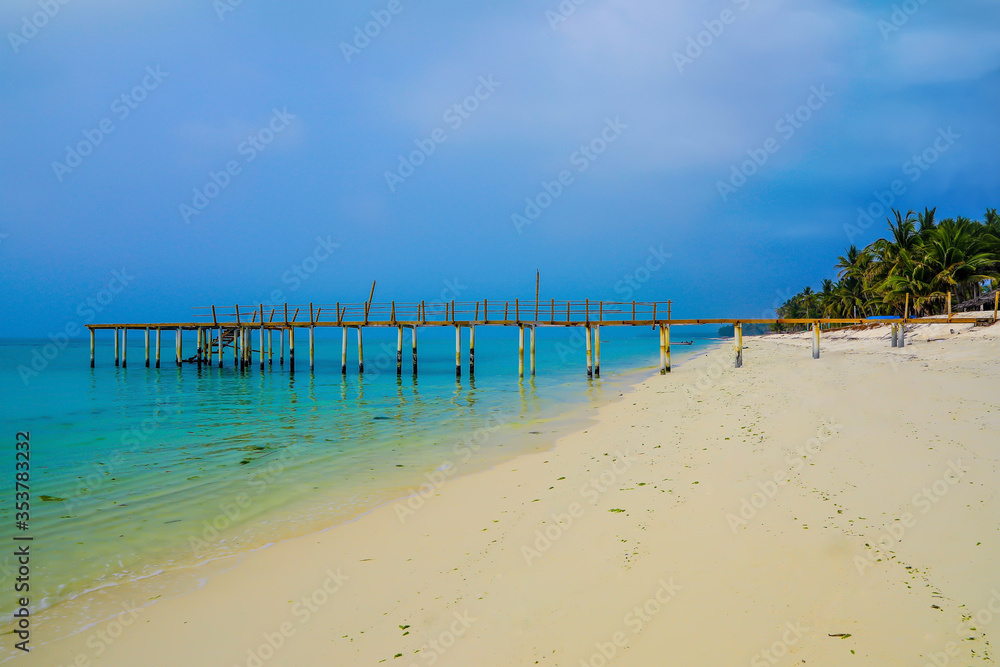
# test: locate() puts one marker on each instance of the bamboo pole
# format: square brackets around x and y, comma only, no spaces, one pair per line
[738,336]
[531,350]
[472,348]
[125,347]
[361,353]
[312,350]
[458,349]
[158,348]
[414,335]
[343,352]
[666,345]
[146,345]
[117,362]
[815,340]
[92,347]
[663,363]
[597,351]
[399,351]
[520,350]
[590,366]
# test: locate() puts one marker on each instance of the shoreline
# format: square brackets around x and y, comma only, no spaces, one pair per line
[714,496]
[183,579]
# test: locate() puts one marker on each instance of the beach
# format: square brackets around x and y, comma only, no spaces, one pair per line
[828,512]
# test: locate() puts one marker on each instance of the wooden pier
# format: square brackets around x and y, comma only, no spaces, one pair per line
[216,329]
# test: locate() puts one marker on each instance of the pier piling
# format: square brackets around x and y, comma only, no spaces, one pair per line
[666,347]
[590,366]
[343,353]
[597,351]
[124,347]
[663,363]
[414,332]
[815,340]
[177,345]
[92,347]
[146,344]
[361,353]
[399,351]
[291,349]
[520,350]
[531,351]
[312,351]
[117,362]
[738,336]
[157,347]
[472,350]
[458,351]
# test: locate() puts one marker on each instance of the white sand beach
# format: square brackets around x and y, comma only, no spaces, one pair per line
[840,511]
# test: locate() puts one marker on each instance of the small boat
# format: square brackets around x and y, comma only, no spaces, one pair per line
[685,342]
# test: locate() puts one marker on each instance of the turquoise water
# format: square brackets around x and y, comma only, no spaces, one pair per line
[137,471]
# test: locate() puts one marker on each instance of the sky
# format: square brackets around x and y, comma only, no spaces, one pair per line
[158,156]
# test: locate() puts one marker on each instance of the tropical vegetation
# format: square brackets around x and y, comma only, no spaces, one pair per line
[917,265]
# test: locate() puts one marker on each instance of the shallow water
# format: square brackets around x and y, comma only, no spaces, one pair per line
[136,471]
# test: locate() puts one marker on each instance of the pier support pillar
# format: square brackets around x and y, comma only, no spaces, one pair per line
[590,364]
[738,336]
[520,350]
[815,340]
[343,353]
[158,348]
[312,350]
[666,346]
[472,351]
[211,347]
[291,349]
[146,343]
[236,349]
[399,351]
[116,348]
[414,333]
[197,344]
[458,351]
[597,351]
[261,343]
[124,348]
[270,347]
[177,345]
[361,353]
[92,347]
[663,365]
[531,352]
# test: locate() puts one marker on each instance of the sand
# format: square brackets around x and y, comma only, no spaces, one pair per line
[840,511]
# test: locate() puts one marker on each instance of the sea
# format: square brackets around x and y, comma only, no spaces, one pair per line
[142,475]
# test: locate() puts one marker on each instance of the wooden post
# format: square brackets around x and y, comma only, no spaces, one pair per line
[902,335]
[211,347]
[270,348]
[361,353]
[815,340]
[291,349]
[117,362]
[663,362]
[472,349]
[343,352]
[281,347]
[312,350]
[666,345]
[520,350]
[531,350]
[414,333]
[597,351]
[146,344]
[458,349]
[895,335]
[399,351]
[996,302]
[92,347]
[197,345]
[738,336]
[124,347]
[178,343]
[157,348]
[906,309]
[236,349]
[260,344]
[590,366]
[949,305]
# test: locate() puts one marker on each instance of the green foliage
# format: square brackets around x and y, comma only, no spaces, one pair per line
[920,258]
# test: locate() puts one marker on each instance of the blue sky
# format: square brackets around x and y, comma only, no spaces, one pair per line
[120,119]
